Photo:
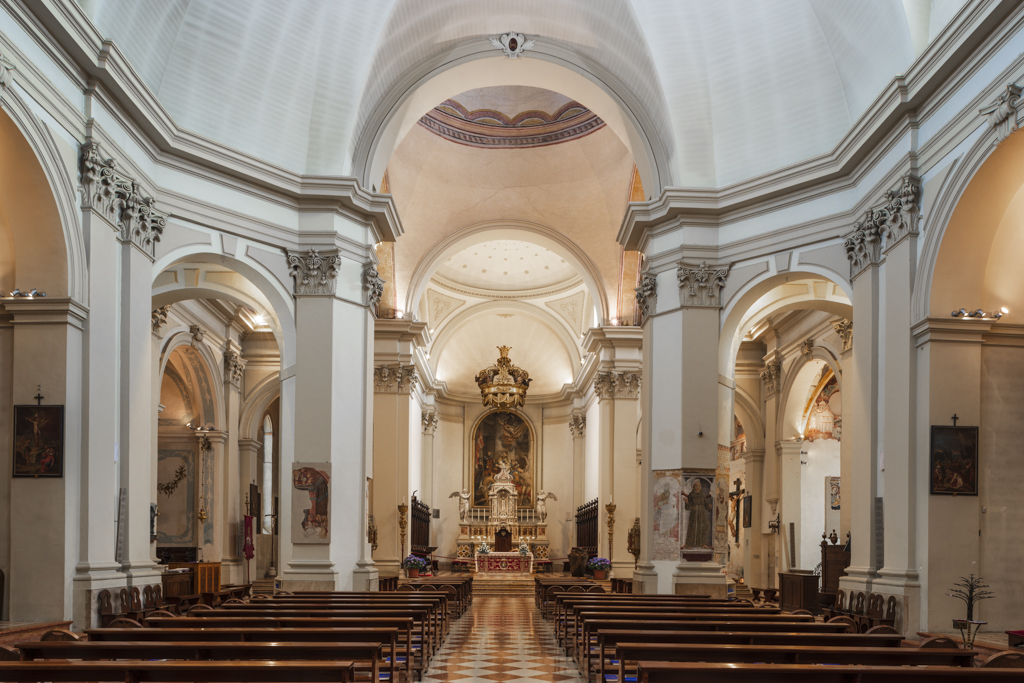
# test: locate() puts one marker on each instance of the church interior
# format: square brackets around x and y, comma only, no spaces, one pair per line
[360,324]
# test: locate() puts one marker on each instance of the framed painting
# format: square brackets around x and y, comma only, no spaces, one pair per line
[500,437]
[747,503]
[954,461]
[311,502]
[38,441]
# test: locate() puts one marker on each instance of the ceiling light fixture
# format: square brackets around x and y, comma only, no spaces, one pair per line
[503,385]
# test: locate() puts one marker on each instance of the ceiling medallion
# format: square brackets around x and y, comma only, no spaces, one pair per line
[503,385]
[513,44]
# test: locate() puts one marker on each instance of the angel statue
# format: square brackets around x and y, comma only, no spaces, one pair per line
[542,504]
[463,503]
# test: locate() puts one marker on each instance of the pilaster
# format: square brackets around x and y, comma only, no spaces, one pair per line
[844,328]
[234,372]
[753,562]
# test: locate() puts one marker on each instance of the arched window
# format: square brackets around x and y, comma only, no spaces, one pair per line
[268,474]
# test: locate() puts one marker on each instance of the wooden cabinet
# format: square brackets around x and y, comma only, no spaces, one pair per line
[177,584]
[798,591]
[204,577]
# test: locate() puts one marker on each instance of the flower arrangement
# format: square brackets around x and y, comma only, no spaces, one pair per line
[484,549]
[599,564]
[524,549]
[414,562]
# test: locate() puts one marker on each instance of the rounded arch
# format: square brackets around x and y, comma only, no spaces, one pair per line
[799,374]
[256,404]
[771,294]
[210,366]
[267,293]
[968,243]
[40,200]
[747,409]
[515,230]
[461,318]
[473,64]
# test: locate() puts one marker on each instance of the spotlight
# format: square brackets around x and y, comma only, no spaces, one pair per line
[258,320]
[1004,310]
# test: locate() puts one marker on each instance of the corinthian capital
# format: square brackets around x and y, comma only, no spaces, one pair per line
[771,376]
[373,285]
[647,293]
[234,368]
[578,425]
[617,385]
[701,286]
[313,273]
[844,328]
[430,421]
[395,378]
[6,72]
[1003,113]
[886,225]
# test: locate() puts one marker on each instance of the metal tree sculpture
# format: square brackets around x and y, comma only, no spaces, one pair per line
[970,590]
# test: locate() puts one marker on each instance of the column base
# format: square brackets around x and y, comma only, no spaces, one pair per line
[857,579]
[622,569]
[699,578]
[89,580]
[645,580]
[387,568]
[905,586]
[365,576]
[309,575]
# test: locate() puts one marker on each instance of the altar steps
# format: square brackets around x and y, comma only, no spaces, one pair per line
[503,586]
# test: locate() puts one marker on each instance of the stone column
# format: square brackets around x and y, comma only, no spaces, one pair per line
[330,406]
[578,431]
[617,385]
[789,505]
[771,386]
[860,414]
[753,562]
[211,467]
[844,328]
[395,407]
[248,465]
[431,495]
[231,487]
[899,575]
[656,333]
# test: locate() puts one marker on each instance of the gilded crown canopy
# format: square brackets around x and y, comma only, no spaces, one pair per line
[503,385]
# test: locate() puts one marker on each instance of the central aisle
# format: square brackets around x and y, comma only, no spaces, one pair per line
[502,638]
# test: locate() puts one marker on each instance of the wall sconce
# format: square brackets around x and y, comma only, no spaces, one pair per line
[980,314]
[773,525]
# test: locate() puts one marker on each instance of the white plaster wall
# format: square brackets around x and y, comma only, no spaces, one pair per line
[448,464]
[558,479]
[1001,471]
[591,453]
[822,458]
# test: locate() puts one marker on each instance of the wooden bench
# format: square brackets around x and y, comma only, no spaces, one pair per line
[330,671]
[434,600]
[366,656]
[691,672]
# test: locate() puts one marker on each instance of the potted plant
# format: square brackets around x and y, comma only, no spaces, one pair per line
[970,589]
[599,566]
[413,565]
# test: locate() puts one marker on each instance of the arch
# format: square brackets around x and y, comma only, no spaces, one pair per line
[749,412]
[277,300]
[516,230]
[460,319]
[797,371]
[260,398]
[473,64]
[756,301]
[46,224]
[535,437]
[180,336]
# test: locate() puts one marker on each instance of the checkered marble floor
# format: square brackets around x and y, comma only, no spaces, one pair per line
[502,638]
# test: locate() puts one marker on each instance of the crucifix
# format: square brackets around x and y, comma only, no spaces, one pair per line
[39,396]
[735,497]
[955,418]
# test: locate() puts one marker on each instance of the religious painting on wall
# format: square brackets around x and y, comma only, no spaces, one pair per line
[38,441]
[503,437]
[665,539]
[954,460]
[747,505]
[697,508]
[311,502]
[834,489]
[176,496]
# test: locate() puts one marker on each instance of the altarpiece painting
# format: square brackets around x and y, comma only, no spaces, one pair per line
[311,502]
[503,436]
[38,441]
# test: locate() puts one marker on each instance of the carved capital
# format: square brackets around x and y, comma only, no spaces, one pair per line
[844,328]
[114,194]
[578,425]
[160,318]
[647,293]
[373,285]
[7,69]
[701,286]
[430,421]
[807,347]
[313,273]
[884,226]
[610,385]
[1003,113]
[234,368]
[395,378]
[864,245]
[197,335]
[771,376]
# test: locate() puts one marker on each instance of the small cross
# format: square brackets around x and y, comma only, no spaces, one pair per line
[39,397]
[955,418]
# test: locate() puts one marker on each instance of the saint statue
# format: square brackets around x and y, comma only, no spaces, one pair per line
[463,497]
[700,504]
[542,504]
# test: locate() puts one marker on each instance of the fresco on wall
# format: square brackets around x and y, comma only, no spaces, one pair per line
[503,436]
[834,490]
[697,508]
[311,502]
[824,415]
[176,497]
[665,539]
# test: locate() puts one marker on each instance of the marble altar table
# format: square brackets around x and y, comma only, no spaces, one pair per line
[504,562]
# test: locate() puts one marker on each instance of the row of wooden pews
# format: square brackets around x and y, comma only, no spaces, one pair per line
[625,638]
[285,638]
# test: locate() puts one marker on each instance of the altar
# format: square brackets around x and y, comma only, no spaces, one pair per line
[504,562]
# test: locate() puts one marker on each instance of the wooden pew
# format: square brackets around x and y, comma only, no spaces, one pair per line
[692,672]
[607,639]
[563,604]
[627,653]
[178,672]
[389,638]
[436,601]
